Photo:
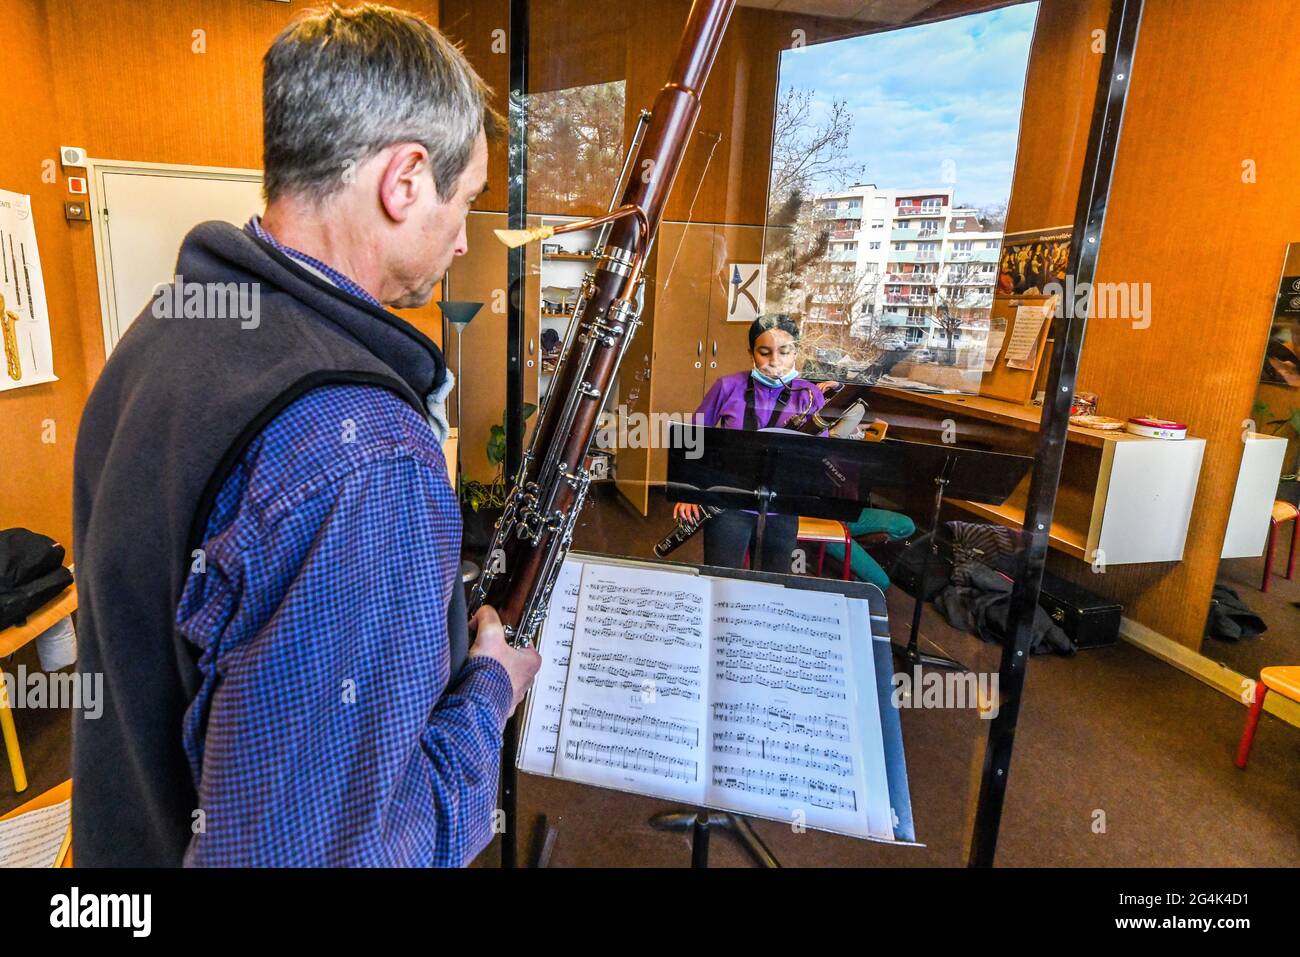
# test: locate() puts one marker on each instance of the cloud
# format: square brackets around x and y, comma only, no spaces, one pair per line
[922,97]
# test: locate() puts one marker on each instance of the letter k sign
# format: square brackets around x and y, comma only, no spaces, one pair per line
[747,288]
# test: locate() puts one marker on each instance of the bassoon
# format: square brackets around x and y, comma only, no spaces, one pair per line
[536,527]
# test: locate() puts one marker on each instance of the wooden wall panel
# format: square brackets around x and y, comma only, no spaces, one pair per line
[36,491]
[1206,98]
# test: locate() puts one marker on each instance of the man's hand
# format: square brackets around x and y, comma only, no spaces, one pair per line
[686,512]
[489,639]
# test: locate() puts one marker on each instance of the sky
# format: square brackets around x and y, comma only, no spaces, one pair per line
[943,97]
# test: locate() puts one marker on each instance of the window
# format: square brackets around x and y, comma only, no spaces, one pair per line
[963,245]
[877,224]
[873,245]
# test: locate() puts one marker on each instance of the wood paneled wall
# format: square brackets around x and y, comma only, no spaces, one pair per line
[36,489]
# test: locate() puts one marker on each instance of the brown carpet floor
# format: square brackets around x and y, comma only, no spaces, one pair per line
[1120,760]
[1279,607]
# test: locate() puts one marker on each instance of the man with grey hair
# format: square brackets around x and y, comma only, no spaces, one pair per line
[268,545]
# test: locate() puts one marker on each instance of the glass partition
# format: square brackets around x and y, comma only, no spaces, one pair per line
[850,183]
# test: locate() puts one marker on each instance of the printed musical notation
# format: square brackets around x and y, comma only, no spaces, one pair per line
[779,611]
[634,707]
[798,754]
[635,726]
[787,786]
[829,727]
[780,733]
[542,732]
[632,758]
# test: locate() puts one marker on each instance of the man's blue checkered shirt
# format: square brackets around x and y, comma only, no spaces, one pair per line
[324,732]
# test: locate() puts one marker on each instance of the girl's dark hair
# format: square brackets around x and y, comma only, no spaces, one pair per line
[767,323]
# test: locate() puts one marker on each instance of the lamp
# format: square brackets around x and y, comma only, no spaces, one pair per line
[459,315]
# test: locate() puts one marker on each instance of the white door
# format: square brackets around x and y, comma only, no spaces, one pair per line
[142,214]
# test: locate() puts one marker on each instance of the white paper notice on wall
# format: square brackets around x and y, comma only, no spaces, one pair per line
[1022,346]
[747,291]
[24,317]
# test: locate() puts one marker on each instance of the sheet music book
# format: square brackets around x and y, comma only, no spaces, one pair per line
[731,694]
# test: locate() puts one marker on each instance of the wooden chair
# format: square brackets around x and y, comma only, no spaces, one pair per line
[1283,512]
[13,638]
[821,531]
[1285,680]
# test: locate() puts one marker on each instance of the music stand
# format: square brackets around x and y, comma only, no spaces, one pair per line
[771,470]
[975,475]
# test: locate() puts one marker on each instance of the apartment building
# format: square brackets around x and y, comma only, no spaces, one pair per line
[905,267]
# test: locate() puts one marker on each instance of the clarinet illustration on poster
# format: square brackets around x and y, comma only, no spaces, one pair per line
[24,317]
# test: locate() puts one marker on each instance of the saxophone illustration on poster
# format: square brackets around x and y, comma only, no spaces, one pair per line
[24,317]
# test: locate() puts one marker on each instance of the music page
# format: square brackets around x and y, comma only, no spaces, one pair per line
[634,704]
[784,740]
[542,730]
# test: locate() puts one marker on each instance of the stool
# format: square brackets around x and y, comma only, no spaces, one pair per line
[11,639]
[823,531]
[1283,512]
[1285,680]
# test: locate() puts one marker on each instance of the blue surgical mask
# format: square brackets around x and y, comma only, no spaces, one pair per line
[771,383]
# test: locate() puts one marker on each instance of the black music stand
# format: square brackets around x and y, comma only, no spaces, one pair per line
[975,475]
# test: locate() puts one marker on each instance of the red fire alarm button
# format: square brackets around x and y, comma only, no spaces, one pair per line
[77,184]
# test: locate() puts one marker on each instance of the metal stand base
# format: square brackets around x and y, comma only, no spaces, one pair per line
[911,652]
[912,656]
[701,823]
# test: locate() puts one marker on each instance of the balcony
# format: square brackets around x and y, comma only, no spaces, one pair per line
[844,234]
[838,212]
[913,256]
[910,210]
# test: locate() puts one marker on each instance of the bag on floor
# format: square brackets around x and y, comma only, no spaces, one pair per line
[1230,619]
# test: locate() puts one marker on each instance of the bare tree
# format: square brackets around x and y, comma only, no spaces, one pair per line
[808,155]
[958,301]
[805,156]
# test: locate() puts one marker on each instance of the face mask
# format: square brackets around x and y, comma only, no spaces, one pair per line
[767,380]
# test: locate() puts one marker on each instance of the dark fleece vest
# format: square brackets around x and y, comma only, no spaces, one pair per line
[177,404]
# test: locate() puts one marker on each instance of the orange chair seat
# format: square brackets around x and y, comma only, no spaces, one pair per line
[1283,512]
[821,530]
[1284,679]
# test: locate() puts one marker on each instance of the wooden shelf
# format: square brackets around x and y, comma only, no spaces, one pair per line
[1068,540]
[47,616]
[567,257]
[1123,498]
[1027,418]
[557,315]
